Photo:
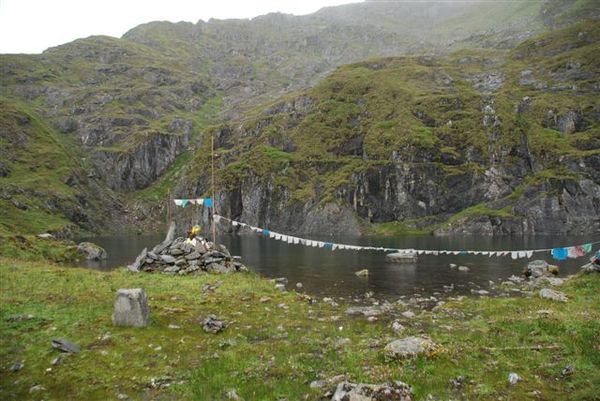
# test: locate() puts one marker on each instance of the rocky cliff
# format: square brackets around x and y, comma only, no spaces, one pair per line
[134,112]
[479,142]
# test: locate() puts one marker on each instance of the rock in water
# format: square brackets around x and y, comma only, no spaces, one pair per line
[554,295]
[92,251]
[401,257]
[362,273]
[65,345]
[409,347]
[131,308]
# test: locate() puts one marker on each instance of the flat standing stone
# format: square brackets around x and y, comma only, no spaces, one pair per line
[131,308]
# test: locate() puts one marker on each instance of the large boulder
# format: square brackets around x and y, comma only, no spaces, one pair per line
[91,251]
[409,347]
[131,308]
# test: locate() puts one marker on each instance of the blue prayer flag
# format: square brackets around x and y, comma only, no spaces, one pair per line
[328,245]
[560,253]
[208,202]
[265,232]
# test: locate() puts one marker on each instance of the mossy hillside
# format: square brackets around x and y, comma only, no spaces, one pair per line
[415,110]
[274,348]
[46,183]
[109,93]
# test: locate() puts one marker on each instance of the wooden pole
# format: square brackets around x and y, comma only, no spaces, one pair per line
[214,201]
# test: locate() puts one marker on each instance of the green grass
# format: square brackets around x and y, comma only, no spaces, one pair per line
[268,351]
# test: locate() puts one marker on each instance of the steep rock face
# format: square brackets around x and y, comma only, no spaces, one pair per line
[140,167]
[436,144]
[132,109]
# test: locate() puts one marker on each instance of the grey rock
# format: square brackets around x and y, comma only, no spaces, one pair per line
[135,266]
[463,269]
[408,314]
[213,325]
[171,232]
[397,327]
[193,255]
[409,347]
[362,273]
[91,251]
[394,391]
[233,396]
[65,345]
[167,259]
[280,287]
[401,257]
[16,367]
[131,308]
[536,268]
[547,293]
[514,378]
[299,286]
[46,236]
[36,388]
[366,311]
[567,371]
[281,280]
[122,396]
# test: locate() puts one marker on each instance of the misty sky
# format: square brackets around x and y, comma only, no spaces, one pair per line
[31,26]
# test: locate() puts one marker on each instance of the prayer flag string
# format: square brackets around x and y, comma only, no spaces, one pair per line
[559,253]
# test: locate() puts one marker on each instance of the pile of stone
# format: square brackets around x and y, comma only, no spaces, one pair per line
[181,256]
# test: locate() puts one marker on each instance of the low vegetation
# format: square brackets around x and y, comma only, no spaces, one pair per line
[277,343]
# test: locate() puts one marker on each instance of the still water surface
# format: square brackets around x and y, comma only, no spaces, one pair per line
[331,273]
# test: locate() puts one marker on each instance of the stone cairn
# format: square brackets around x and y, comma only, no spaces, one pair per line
[182,257]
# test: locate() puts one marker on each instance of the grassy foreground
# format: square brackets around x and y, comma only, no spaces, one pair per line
[276,346]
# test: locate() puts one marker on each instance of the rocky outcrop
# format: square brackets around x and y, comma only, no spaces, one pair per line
[134,169]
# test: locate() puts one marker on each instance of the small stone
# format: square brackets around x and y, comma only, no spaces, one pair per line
[371,319]
[547,293]
[553,269]
[567,371]
[232,395]
[213,325]
[16,367]
[457,383]
[264,299]
[122,396]
[397,327]
[463,269]
[514,378]
[45,236]
[408,314]
[167,259]
[280,287]
[36,388]
[131,308]
[362,273]
[299,285]
[57,361]
[453,266]
[65,345]
[281,280]
[174,326]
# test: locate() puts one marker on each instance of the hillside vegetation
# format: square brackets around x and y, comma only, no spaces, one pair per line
[138,108]
[420,139]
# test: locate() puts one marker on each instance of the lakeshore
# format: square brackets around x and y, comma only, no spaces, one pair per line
[283,345]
